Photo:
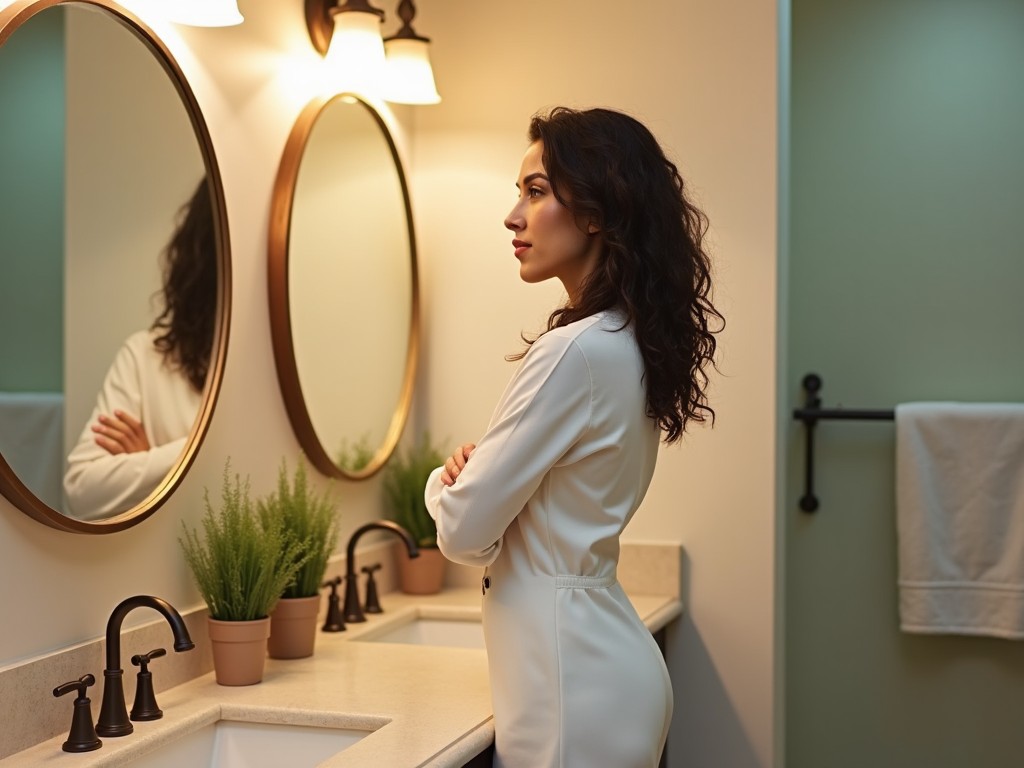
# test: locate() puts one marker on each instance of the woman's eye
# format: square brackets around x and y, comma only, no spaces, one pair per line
[534,192]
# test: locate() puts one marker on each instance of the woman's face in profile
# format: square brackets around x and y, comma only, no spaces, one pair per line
[548,241]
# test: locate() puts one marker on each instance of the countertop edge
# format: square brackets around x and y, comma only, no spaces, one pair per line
[201,701]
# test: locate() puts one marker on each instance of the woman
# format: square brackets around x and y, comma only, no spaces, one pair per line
[153,390]
[541,500]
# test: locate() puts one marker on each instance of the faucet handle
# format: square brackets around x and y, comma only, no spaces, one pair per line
[334,622]
[83,735]
[144,706]
[75,685]
[372,600]
[143,659]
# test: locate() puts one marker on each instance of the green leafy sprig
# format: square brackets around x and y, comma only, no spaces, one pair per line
[356,456]
[242,564]
[307,517]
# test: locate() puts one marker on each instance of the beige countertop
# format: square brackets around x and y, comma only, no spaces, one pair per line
[424,705]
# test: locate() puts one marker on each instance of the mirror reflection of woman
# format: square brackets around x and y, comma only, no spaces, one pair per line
[543,496]
[153,390]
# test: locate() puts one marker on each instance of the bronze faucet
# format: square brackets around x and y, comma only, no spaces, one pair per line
[113,719]
[353,612]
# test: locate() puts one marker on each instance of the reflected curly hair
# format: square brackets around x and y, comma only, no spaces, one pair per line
[607,168]
[190,290]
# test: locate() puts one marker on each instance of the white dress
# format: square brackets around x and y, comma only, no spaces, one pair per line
[98,484]
[576,678]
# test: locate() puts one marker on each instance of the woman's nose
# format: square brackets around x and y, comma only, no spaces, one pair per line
[514,221]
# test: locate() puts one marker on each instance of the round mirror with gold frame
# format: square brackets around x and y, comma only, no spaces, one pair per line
[343,285]
[107,163]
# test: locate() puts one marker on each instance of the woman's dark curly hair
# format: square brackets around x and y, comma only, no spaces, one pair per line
[190,290]
[608,169]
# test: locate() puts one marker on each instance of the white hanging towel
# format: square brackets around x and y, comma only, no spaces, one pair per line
[960,518]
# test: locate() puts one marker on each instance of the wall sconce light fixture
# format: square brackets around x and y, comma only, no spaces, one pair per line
[349,36]
[410,78]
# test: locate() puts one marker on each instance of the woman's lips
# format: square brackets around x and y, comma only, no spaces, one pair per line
[520,246]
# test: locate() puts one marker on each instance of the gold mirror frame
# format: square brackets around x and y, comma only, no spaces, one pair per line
[280,304]
[11,486]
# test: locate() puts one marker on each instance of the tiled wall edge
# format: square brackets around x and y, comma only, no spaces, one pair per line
[651,568]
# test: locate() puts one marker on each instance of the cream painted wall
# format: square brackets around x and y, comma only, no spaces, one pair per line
[703,77]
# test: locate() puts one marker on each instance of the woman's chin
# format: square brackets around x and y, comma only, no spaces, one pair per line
[528,275]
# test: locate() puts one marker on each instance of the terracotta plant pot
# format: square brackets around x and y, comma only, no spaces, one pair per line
[423,575]
[293,627]
[239,650]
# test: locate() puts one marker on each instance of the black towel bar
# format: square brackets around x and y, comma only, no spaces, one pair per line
[810,415]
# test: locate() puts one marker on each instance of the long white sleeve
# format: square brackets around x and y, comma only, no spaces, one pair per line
[544,411]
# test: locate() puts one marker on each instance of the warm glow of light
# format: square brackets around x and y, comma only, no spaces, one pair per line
[410,78]
[356,55]
[198,13]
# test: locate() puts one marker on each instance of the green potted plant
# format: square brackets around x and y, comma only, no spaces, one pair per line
[405,479]
[241,565]
[310,518]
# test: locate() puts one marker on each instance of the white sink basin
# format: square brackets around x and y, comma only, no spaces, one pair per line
[424,630]
[233,744]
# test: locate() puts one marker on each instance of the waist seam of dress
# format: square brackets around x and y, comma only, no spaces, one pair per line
[584,582]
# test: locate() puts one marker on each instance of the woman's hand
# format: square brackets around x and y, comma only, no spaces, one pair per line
[120,433]
[455,463]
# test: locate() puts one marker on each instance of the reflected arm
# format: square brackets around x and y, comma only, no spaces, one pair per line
[98,484]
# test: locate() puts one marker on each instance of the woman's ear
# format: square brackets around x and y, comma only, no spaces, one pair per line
[592,228]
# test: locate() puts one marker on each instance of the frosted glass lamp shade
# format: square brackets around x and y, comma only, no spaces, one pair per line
[357,51]
[409,76]
[199,13]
